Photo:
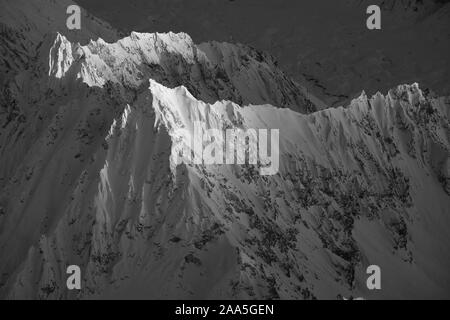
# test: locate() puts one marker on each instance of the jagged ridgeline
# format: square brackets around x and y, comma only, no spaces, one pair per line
[87,136]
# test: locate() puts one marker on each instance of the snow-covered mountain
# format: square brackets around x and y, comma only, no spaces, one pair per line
[88,135]
[323,44]
[24,24]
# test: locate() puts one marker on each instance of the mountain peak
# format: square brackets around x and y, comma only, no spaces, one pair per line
[89,175]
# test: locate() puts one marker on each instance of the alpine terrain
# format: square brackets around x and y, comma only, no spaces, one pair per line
[91,122]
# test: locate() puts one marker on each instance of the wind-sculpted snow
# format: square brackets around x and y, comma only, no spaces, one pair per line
[88,178]
[222,71]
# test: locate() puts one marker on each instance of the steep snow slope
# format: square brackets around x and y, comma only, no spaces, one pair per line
[87,141]
[173,59]
[87,178]
[324,44]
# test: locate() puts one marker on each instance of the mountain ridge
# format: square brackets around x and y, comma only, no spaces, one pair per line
[86,178]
